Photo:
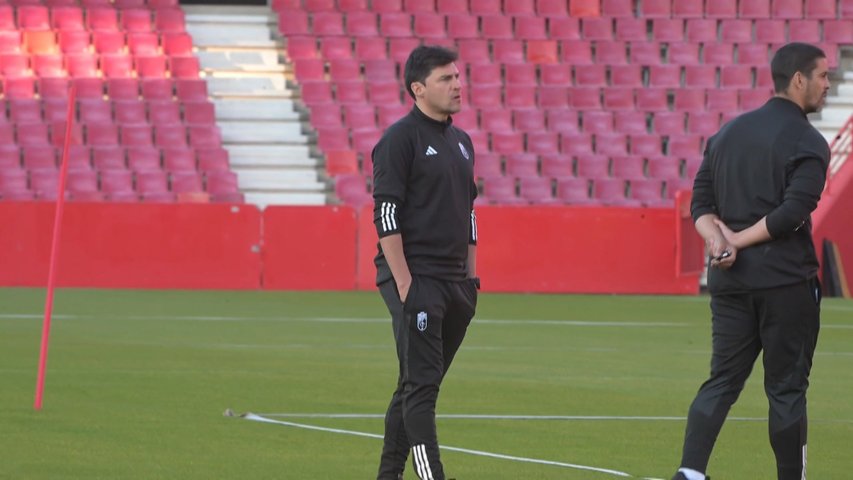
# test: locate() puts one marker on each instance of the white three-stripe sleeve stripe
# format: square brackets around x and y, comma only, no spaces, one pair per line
[418,462]
[473,226]
[388,213]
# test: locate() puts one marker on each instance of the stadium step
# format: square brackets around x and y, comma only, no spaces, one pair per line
[287,132]
[261,125]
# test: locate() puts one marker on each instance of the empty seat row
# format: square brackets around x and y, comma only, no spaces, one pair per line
[111,157]
[118,185]
[110,65]
[122,112]
[436,27]
[105,17]
[72,42]
[56,88]
[167,135]
[584,8]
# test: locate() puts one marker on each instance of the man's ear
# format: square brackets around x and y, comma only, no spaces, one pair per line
[418,88]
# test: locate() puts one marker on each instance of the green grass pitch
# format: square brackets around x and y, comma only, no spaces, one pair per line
[138,381]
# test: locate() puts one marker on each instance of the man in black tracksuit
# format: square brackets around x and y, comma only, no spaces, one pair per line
[424,194]
[761,178]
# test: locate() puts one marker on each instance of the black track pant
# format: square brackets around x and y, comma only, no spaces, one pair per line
[428,330]
[784,322]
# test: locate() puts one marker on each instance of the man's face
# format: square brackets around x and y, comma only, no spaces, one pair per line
[442,93]
[816,87]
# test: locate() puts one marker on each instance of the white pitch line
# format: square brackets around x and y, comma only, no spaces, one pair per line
[506,417]
[617,473]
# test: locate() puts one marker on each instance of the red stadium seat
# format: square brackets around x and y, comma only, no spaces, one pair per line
[617,8]
[574,191]
[169,20]
[152,185]
[530,28]
[704,76]
[736,76]
[559,74]
[562,121]
[721,100]
[523,96]
[651,99]
[703,123]
[102,19]
[136,20]
[701,30]
[496,26]
[630,122]
[461,26]
[735,31]
[645,53]
[664,167]
[108,158]
[522,165]
[400,48]
[143,158]
[618,98]
[537,190]
[838,31]
[14,65]
[507,143]
[564,28]
[117,65]
[668,30]
[117,185]
[94,110]
[753,54]
[626,75]
[611,53]
[718,54]
[419,6]
[557,166]
[688,145]
[32,134]
[315,6]
[371,48]
[158,88]
[543,143]
[593,122]
[593,166]
[645,145]
[33,17]
[577,52]
[668,76]
[7,134]
[136,135]
[486,7]
[143,43]
[721,9]
[347,92]
[575,144]
[213,159]
[184,67]
[204,135]
[123,88]
[452,7]
[805,31]
[179,160]
[754,9]
[750,99]
[787,9]
[101,134]
[361,24]
[108,41]
[595,29]
[590,75]
[519,8]
[44,183]
[129,112]
[668,123]
[585,98]
[628,167]
[611,191]
[82,181]
[293,23]
[10,42]
[74,41]
[508,51]
[769,31]
[327,24]
[186,182]
[501,190]
[649,192]
[50,88]
[611,143]
[683,54]
[529,120]
[655,9]
[170,136]
[522,74]
[39,157]
[820,9]
[177,44]
[395,24]
[83,65]
[23,110]
[631,29]
[190,89]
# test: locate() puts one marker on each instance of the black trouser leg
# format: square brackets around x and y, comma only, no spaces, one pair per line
[736,345]
[428,332]
[790,321]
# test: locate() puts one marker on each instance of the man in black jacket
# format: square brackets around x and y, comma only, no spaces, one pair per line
[424,191]
[760,179]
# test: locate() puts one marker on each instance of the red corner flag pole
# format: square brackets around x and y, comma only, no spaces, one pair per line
[54,248]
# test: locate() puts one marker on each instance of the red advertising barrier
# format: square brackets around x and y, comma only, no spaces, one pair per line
[522,249]
[133,245]
[579,250]
[309,248]
[832,218]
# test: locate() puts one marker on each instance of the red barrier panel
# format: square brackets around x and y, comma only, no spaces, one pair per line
[566,249]
[579,250]
[832,218]
[133,245]
[309,248]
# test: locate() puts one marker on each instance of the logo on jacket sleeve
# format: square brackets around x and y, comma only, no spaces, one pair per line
[464,152]
[422,321]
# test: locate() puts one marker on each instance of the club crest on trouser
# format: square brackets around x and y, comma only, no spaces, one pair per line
[422,321]
[464,152]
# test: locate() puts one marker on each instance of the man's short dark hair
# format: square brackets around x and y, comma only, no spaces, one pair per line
[793,58]
[423,60]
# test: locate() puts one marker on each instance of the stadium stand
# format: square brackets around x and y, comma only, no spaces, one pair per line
[578,102]
[125,59]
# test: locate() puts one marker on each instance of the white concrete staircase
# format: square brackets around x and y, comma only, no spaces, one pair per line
[256,111]
[839,107]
